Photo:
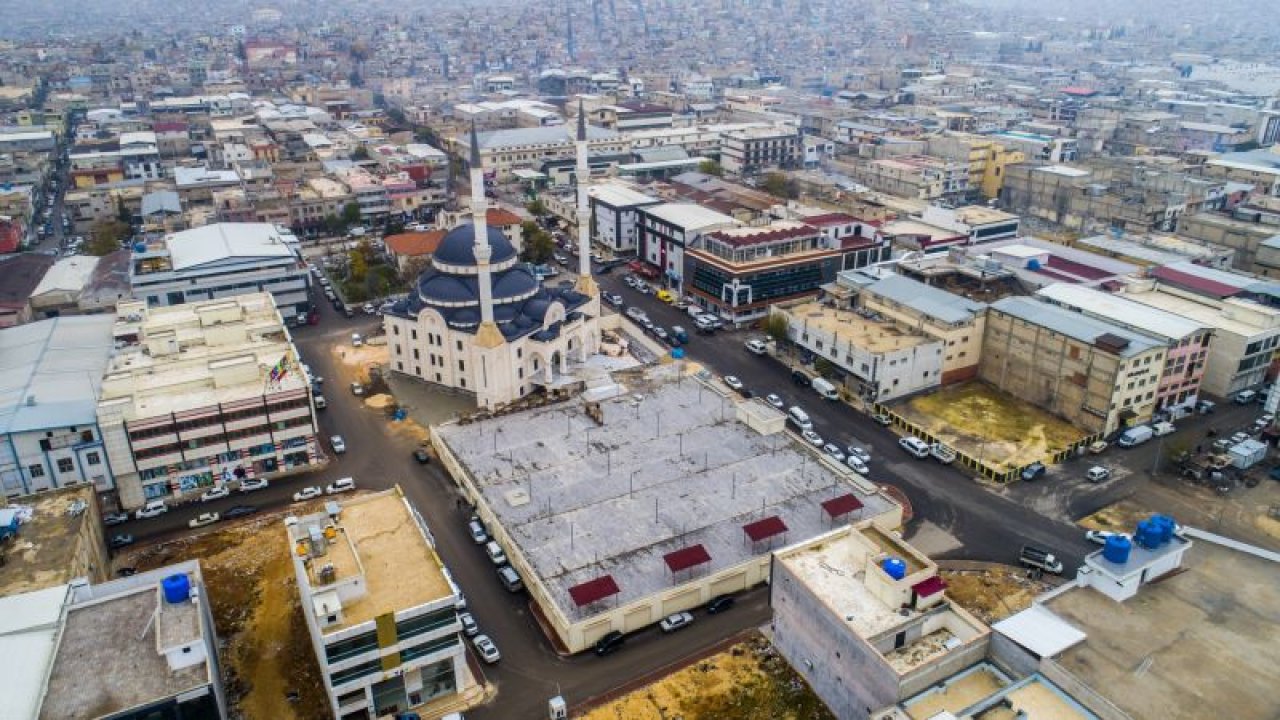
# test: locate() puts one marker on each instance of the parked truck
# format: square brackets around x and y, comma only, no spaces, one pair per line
[824,388]
[1038,558]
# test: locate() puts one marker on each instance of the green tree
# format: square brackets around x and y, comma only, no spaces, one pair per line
[107,237]
[776,327]
[350,214]
[358,268]
[711,167]
[779,185]
[536,207]
[538,243]
[823,366]
[360,153]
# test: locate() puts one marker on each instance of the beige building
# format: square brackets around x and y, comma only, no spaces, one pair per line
[1098,376]
[984,157]
[917,176]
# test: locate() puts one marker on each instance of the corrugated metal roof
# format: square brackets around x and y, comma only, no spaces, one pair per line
[51,372]
[29,626]
[1039,630]
[1150,320]
[210,243]
[925,299]
[1072,324]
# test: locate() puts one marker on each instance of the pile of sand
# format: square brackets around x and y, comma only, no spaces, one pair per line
[380,401]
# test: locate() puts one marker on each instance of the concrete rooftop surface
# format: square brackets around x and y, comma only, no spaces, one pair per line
[47,550]
[108,660]
[848,327]
[1199,644]
[671,470]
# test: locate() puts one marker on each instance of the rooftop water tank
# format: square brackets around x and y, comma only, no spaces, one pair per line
[1117,549]
[1148,534]
[895,567]
[139,247]
[1033,264]
[177,588]
[1166,525]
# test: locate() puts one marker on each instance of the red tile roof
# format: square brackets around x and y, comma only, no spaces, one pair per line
[1071,267]
[830,219]
[593,590]
[753,236]
[415,244]
[500,217]
[686,558]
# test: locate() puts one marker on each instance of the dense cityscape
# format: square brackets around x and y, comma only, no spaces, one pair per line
[639,360]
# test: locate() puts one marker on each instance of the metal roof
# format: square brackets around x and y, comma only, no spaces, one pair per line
[552,135]
[210,243]
[1144,318]
[593,590]
[1039,630]
[29,625]
[685,558]
[926,299]
[688,215]
[51,372]
[1072,324]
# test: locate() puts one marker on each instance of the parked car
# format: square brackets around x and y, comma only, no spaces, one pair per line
[153,508]
[1135,436]
[338,444]
[859,452]
[1039,558]
[421,455]
[610,642]
[215,493]
[857,465]
[942,453]
[915,446]
[1097,446]
[733,382]
[321,403]
[1033,471]
[369,309]
[486,649]
[756,346]
[307,493]
[1097,474]
[356,340]
[1101,536]
[478,534]
[239,511]
[251,484]
[883,418]
[203,519]
[469,626]
[120,541]
[340,485]
[636,314]
[613,299]
[774,400]
[719,604]
[812,438]
[660,333]
[675,621]
[494,551]
[1237,438]
[834,451]
[357,389]
[115,518]
[666,296]
[1245,397]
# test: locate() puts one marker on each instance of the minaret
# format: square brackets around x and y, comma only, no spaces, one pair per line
[487,335]
[570,46]
[586,285]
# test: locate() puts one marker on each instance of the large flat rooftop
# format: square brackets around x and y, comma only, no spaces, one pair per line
[853,329]
[1199,644]
[54,546]
[581,499]
[1203,313]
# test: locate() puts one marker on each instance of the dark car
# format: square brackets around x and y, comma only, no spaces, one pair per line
[422,456]
[800,378]
[240,511]
[114,518]
[120,541]
[127,571]
[610,642]
[719,604]
[1032,471]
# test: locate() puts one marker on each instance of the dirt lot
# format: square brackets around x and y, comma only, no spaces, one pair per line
[1251,515]
[749,681]
[983,422]
[992,594]
[266,651]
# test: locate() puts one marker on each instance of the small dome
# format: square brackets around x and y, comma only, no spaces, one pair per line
[464,317]
[458,246]
[435,287]
[537,308]
[513,283]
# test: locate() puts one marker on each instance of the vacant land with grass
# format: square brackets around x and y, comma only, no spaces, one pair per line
[990,425]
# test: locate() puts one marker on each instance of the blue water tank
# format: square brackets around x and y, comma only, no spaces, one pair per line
[1148,534]
[1117,549]
[1166,525]
[177,588]
[896,568]
[139,247]
[1033,264]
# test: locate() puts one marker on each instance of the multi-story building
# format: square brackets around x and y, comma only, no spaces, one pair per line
[1260,168]
[1042,148]
[49,435]
[859,241]
[202,394]
[221,260]
[976,222]
[503,151]
[752,151]
[667,229]
[917,176]
[864,619]
[380,608]
[1094,374]
[886,360]
[154,630]
[1188,340]
[984,156]
[738,273]
[615,220]
[20,274]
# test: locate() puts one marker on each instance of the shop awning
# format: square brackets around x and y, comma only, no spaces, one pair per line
[842,505]
[593,590]
[685,558]
[766,528]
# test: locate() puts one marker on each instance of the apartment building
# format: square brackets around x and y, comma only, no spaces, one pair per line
[985,157]
[865,620]
[886,361]
[1259,168]
[615,217]
[202,394]
[504,151]
[1037,147]
[978,223]
[752,151]
[1187,340]
[221,260]
[860,242]
[1094,374]
[380,608]
[51,374]
[919,177]
[667,229]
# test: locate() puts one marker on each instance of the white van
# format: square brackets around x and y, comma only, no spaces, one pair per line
[152,509]
[1161,429]
[1135,436]
[824,388]
[799,418]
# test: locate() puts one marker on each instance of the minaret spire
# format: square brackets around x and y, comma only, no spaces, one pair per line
[586,285]
[487,335]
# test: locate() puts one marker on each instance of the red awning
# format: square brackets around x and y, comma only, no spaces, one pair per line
[929,586]
[842,505]
[766,528]
[593,590]
[686,558]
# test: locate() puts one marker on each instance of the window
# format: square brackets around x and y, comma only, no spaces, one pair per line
[412,334]
[65,465]
[459,345]
[415,353]
[398,349]
[93,458]
[35,471]
[395,329]
[462,366]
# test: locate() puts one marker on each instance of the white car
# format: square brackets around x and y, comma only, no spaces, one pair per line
[214,493]
[486,649]
[775,401]
[1100,536]
[340,485]
[338,444]
[469,626]
[1097,474]
[857,465]
[834,451]
[813,438]
[733,382]
[252,484]
[862,454]
[756,346]
[674,622]
[203,519]
[357,389]
[915,446]
[356,340]
[307,493]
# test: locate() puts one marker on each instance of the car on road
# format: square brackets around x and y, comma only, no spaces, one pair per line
[338,444]
[153,508]
[857,465]
[369,309]
[239,511]
[666,296]
[719,604]
[675,621]
[861,453]
[610,642]
[115,518]
[1097,474]
[613,299]
[486,649]
[1033,471]
[1097,446]
[915,446]
[660,333]
[636,314]
[321,403]
[340,485]
[834,451]
[203,519]
[421,455]
[1101,536]
[775,401]
[478,534]
[756,346]
[251,484]
[357,389]
[812,438]
[307,493]
[942,453]
[469,626]
[120,541]
[1239,437]
[733,382]
[883,418]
